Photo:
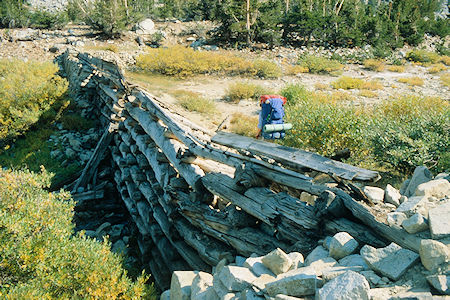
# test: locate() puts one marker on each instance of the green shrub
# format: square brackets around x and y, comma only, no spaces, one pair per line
[27,90]
[244,90]
[266,69]
[41,258]
[374,65]
[422,56]
[320,65]
[295,93]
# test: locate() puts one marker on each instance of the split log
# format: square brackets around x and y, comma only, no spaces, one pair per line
[88,196]
[294,158]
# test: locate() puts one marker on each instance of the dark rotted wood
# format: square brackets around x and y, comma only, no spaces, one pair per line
[89,195]
[294,158]
[328,204]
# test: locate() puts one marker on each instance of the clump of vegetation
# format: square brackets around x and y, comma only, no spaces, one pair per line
[321,86]
[445,59]
[374,65]
[422,56]
[320,65]
[295,69]
[368,93]
[244,125]
[266,69]
[398,69]
[41,258]
[348,83]
[244,90]
[76,122]
[436,68]
[445,79]
[194,102]
[27,90]
[411,80]
[182,62]
[400,133]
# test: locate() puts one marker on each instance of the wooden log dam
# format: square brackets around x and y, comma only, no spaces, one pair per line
[197,197]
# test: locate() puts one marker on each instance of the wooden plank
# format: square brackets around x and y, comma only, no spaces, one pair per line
[294,158]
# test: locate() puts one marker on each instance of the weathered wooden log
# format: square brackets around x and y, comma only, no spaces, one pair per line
[294,158]
[328,204]
[88,196]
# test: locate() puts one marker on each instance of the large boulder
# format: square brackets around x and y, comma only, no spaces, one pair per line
[416,223]
[347,286]
[318,253]
[342,244]
[440,221]
[434,188]
[433,254]
[146,26]
[421,174]
[391,261]
[202,287]
[277,261]
[236,278]
[180,285]
[299,282]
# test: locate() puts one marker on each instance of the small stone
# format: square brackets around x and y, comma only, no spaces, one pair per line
[308,198]
[440,221]
[250,294]
[236,278]
[222,263]
[374,193]
[342,244]
[392,195]
[277,261]
[395,219]
[442,176]
[256,266]
[165,295]
[102,229]
[403,199]
[202,287]
[262,280]
[300,282]
[436,188]
[297,260]
[353,260]
[333,272]
[347,286]
[416,223]
[421,174]
[371,277]
[391,261]
[326,242]
[240,261]
[70,154]
[433,253]
[318,253]
[440,283]
[181,282]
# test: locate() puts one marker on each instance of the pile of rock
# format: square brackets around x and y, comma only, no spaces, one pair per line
[331,271]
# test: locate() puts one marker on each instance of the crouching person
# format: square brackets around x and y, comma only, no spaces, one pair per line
[271,124]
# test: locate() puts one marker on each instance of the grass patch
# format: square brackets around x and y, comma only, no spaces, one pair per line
[445,59]
[193,101]
[445,79]
[320,65]
[398,69]
[348,83]
[423,56]
[76,122]
[436,68]
[182,62]
[321,86]
[244,125]
[412,81]
[367,93]
[238,91]
[374,65]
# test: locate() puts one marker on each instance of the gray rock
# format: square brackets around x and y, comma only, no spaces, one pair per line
[297,260]
[413,295]
[438,188]
[300,282]
[285,297]
[395,219]
[236,278]
[404,186]
[219,288]
[250,294]
[333,272]
[146,26]
[75,144]
[409,207]
[202,287]
[277,261]
[440,283]
[374,193]
[392,195]
[354,260]
[371,277]
[347,286]
[119,247]
[442,176]
[433,253]
[416,223]
[326,242]
[220,266]
[165,295]
[342,244]
[256,266]
[102,229]
[318,253]
[421,174]
[262,280]
[323,264]
[70,154]
[240,261]
[391,261]
[440,221]
[180,285]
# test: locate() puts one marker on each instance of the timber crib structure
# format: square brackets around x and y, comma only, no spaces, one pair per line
[198,197]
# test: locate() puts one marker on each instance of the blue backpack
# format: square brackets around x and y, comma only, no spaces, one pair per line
[272,112]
